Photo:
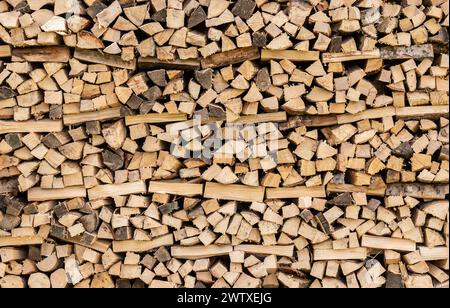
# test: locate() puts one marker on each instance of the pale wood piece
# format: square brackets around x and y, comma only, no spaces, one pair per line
[10,241]
[180,189]
[379,242]
[41,126]
[39,194]
[199,252]
[234,192]
[115,190]
[142,246]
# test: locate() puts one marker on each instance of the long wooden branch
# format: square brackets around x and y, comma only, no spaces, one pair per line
[143,246]
[102,115]
[114,190]
[10,241]
[231,57]
[41,126]
[40,194]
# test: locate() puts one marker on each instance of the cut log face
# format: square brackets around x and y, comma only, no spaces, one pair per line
[224,144]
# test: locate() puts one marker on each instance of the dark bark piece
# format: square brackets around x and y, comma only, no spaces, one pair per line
[373,204]
[6,92]
[344,199]
[134,102]
[158,77]
[123,234]
[34,253]
[197,17]
[23,7]
[9,222]
[58,231]
[93,128]
[244,8]
[263,80]
[9,186]
[323,223]
[414,51]
[216,111]
[55,140]
[87,238]
[162,254]
[123,284]
[160,16]
[204,78]
[152,94]
[259,39]
[306,215]
[60,210]
[56,112]
[394,281]
[335,44]
[168,207]
[14,207]
[31,209]
[440,38]
[95,8]
[125,111]
[403,150]
[138,284]
[146,107]
[13,140]
[113,160]
[90,222]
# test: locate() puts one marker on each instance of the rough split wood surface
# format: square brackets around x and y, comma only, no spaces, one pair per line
[224,143]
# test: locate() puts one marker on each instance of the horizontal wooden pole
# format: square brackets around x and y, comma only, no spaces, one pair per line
[94,56]
[115,190]
[262,118]
[41,126]
[99,245]
[43,54]
[333,57]
[291,55]
[380,242]
[407,52]
[359,253]
[282,251]
[422,112]
[102,115]
[433,254]
[179,189]
[142,246]
[155,118]
[234,56]
[153,63]
[418,190]
[342,188]
[295,192]
[199,252]
[234,192]
[10,241]
[376,113]
[40,194]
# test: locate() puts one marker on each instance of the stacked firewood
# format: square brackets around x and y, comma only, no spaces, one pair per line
[224,143]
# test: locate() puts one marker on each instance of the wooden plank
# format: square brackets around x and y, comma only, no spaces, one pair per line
[295,192]
[380,242]
[179,189]
[359,253]
[199,252]
[142,246]
[114,190]
[291,55]
[434,253]
[234,56]
[234,192]
[350,56]
[42,54]
[418,190]
[39,194]
[102,115]
[368,114]
[98,57]
[99,245]
[148,63]
[422,112]
[407,52]
[155,118]
[10,241]
[41,126]
[342,188]
[282,251]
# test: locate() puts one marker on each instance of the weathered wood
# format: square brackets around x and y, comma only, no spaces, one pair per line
[231,57]
[142,246]
[409,52]
[41,126]
[42,54]
[155,118]
[102,115]
[97,57]
[148,63]
[291,55]
[418,190]
[114,190]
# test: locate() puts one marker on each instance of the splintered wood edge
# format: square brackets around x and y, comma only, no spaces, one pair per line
[142,246]
[43,54]
[41,126]
[21,241]
[155,118]
[115,190]
[199,252]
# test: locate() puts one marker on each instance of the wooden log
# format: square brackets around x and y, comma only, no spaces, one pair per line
[283,251]
[5,51]
[149,63]
[380,242]
[418,52]
[433,254]
[368,114]
[10,241]
[295,192]
[98,57]
[234,192]
[231,57]
[179,189]
[418,190]
[42,54]
[199,252]
[99,245]
[142,246]
[422,112]
[350,56]
[342,188]
[291,55]
[41,126]
[155,118]
[102,115]
[359,253]
[39,194]
[114,190]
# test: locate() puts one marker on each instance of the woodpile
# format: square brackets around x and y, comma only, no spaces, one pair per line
[224,143]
